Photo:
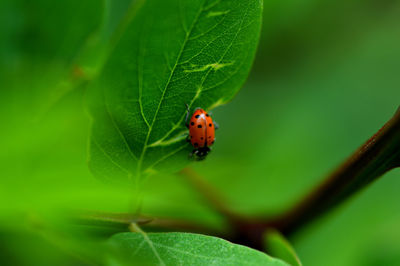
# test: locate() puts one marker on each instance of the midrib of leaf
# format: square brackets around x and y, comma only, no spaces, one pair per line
[187,36]
[200,89]
[135,228]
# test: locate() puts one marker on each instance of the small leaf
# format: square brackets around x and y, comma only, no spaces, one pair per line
[172,53]
[182,249]
[278,246]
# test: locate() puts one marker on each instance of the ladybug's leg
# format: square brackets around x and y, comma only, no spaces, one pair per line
[187,115]
[216,126]
[195,151]
[188,138]
[199,155]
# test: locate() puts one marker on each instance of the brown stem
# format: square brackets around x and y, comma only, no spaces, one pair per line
[378,155]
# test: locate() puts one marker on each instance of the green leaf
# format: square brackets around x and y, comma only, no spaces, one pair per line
[278,246]
[182,249]
[172,53]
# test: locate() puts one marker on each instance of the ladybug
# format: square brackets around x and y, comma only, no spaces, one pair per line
[201,132]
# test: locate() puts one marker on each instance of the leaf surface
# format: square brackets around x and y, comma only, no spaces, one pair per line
[172,53]
[182,249]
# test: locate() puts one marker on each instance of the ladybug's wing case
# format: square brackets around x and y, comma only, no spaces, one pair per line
[201,129]
[210,131]
[197,131]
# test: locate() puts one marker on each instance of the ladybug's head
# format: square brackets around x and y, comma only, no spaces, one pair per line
[201,153]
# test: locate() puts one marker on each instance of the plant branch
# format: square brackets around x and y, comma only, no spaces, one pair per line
[377,156]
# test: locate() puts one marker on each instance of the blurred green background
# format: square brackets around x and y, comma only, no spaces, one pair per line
[324,80]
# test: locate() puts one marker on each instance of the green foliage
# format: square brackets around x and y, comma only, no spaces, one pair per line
[278,246]
[171,53]
[182,249]
[325,79]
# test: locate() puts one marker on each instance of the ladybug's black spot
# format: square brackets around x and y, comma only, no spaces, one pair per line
[209,137]
[201,138]
[196,144]
[199,126]
[210,125]
[207,115]
[197,116]
[192,123]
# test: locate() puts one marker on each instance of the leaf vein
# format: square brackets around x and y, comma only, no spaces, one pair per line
[200,89]
[165,157]
[109,157]
[166,87]
[117,127]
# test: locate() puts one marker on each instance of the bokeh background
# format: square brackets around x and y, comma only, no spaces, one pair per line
[324,80]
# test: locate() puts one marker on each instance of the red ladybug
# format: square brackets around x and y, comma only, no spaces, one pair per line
[201,132]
